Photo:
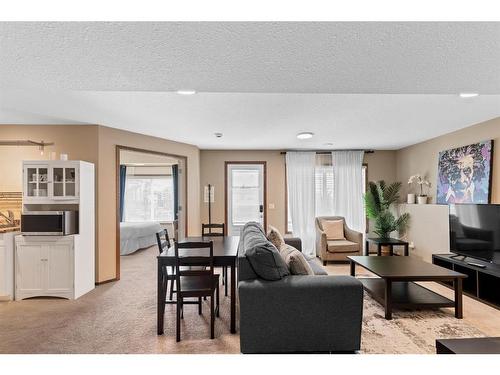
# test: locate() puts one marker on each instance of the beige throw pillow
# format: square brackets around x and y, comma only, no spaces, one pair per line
[275,237]
[295,261]
[334,229]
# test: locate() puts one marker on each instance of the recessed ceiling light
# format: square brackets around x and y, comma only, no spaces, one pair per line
[329,144]
[218,135]
[186,92]
[305,135]
[468,94]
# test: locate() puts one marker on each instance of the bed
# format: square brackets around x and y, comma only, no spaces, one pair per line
[135,236]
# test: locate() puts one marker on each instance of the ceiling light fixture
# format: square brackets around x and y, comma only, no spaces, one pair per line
[305,135]
[329,144]
[218,135]
[468,94]
[186,92]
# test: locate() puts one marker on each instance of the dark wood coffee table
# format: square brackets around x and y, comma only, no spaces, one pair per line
[479,345]
[395,287]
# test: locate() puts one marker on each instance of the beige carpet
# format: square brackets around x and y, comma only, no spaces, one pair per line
[120,317]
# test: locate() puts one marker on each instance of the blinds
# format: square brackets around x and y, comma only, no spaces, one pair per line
[324,190]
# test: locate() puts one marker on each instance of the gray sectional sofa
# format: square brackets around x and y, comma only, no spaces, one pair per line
[296,313]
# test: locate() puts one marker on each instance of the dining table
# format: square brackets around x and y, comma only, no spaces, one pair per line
[225,251]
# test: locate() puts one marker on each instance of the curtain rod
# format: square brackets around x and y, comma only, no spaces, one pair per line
[326,151]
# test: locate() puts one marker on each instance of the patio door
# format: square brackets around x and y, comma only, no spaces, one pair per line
[245,195]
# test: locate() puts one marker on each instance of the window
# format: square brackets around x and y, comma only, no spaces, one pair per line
[246,193]
[149,198]
[324,188]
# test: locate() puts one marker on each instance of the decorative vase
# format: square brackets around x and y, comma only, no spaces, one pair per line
[422,199]
[410,199]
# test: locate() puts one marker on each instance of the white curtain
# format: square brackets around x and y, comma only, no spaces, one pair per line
[300,171]
[348,188]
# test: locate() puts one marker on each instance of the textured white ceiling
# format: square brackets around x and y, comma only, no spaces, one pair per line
[356,85]
[280,57]
[267,121]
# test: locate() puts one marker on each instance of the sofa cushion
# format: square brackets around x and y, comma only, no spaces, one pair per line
[295,260]
[275,237]
[334,229]
[342,246]
[263,256]
[316,267]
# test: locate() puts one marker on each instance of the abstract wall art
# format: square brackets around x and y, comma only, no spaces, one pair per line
[464,174]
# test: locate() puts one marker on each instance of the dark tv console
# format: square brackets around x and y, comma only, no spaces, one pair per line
[483,281]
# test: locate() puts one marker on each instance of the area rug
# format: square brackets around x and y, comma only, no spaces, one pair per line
[409,332]
[120,317]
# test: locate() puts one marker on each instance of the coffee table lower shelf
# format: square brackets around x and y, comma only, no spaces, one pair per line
[405,294]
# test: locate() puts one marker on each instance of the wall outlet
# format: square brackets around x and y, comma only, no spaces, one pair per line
[271,206]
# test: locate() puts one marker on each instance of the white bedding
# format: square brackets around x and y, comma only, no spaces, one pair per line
[135,236]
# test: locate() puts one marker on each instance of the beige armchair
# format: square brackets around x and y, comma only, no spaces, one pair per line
[337,250]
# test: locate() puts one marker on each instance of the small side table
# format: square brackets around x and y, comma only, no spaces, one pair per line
[391,242]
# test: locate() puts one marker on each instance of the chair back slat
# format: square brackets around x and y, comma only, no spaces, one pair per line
[193,254]
[206,230]
[162,244]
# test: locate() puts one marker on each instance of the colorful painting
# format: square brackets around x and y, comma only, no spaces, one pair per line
[464,174]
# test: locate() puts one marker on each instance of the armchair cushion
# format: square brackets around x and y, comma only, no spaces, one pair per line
[342,246]
[334,229]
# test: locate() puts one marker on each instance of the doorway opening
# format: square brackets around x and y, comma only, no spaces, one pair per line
[151,196]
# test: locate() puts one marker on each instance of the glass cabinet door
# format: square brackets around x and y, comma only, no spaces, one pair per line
[58,181]
[37,181]
[32,181]
[64,180]
[70,182]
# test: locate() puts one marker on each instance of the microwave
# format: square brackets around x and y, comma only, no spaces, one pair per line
[49,223]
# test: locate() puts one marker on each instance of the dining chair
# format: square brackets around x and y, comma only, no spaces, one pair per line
[196,283]
[168,272]
[220,231]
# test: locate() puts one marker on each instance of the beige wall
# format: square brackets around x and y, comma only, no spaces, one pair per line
[108,139]
[381,165]
[422,158]
[429,223]
[78,141]
[212,172]
[96,144]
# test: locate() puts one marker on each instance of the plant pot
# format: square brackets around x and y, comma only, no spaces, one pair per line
[410,199]
[422,199]
[385,250]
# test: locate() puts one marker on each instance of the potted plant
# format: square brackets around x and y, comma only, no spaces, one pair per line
[421,182]
[378,201]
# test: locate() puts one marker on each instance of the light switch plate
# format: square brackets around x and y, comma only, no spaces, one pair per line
[271,206]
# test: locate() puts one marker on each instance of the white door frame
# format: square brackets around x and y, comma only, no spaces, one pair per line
[227,164]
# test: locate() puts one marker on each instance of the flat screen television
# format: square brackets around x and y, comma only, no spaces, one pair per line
[475,231]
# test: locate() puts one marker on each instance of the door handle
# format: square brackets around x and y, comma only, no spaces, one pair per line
[261,208]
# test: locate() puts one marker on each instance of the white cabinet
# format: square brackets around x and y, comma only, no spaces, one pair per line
[7,266]
[44,267]
[57,266]
[51,181]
